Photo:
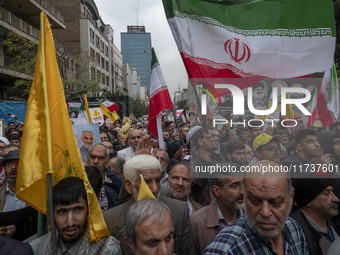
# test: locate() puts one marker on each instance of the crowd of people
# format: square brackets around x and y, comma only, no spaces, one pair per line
[199,209]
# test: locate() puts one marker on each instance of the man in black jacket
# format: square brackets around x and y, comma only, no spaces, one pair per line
[316,205]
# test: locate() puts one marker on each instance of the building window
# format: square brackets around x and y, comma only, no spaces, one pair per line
[102,46]
[97,41]
[98,58]
[92,53]
[107,81]
[93,73]
[98,76]
[103,63]
[91,36]
[103,78]
[107,65]
[106,50]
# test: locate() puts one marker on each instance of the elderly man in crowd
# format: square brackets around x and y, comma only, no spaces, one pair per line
[99,156]
[265,228]
[71,210]
[134,137]
[149,228]
[223,210]
[150,168]
[317,204]
[87,140]
[179,186]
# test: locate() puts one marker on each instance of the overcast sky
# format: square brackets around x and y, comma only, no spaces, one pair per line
[121,13]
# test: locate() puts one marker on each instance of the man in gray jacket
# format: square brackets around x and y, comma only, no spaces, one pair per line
[150,168]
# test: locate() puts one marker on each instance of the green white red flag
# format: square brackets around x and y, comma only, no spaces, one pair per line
[255,39]
[328,98]
[159,97]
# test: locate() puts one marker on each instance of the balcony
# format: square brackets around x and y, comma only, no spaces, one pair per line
[32,9]
[18,23]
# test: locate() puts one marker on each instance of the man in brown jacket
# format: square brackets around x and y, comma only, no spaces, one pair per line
[223,210]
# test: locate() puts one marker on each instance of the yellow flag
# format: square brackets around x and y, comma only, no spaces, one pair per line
[48,144]
[113,116]
[126,130]
[144,190]
[87,110]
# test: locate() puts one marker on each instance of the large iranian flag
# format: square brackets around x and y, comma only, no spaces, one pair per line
[256,39]
[159,98]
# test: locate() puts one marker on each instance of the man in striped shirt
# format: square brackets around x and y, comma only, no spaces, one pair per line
[265,228]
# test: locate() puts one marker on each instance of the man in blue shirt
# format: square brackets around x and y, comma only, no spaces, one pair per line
[265,228]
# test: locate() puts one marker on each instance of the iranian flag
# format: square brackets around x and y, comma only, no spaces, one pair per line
[110,105]
[328,98]
[159,98]
[260,39]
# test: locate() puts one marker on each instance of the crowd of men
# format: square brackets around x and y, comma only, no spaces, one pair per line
[196,212]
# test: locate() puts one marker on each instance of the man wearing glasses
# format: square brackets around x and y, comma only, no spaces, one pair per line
[266,147]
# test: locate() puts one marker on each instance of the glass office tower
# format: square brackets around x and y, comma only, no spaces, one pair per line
[136,50]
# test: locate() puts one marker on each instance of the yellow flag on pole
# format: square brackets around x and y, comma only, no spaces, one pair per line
[48,144]
[144,190]
[113,116]
[87,110]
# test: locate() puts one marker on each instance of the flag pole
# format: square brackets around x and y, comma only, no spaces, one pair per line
[199,104]
[179,129]
[51,212]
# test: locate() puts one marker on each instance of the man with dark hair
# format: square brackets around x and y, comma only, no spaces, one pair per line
[254,131]
[316,205]
[223,210]
[236,151]
[202,145]
[307,149]
[73,237]
[104,136]
[14,139]
[149,228]
[8,199]
[242,134]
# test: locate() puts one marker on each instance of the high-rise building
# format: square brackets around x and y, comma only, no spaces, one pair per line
[86,35]
[136,50]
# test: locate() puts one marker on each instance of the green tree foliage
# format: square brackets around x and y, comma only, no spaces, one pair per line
[23,53]
[76,83]
[183,104]
[136,106]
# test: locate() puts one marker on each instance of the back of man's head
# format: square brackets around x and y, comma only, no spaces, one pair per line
[95,178]
[68,191]
[139,163]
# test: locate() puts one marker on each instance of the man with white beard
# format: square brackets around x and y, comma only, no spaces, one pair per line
[149,167]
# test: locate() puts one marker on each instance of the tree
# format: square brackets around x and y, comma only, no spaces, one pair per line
[75,76]
[183,104]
